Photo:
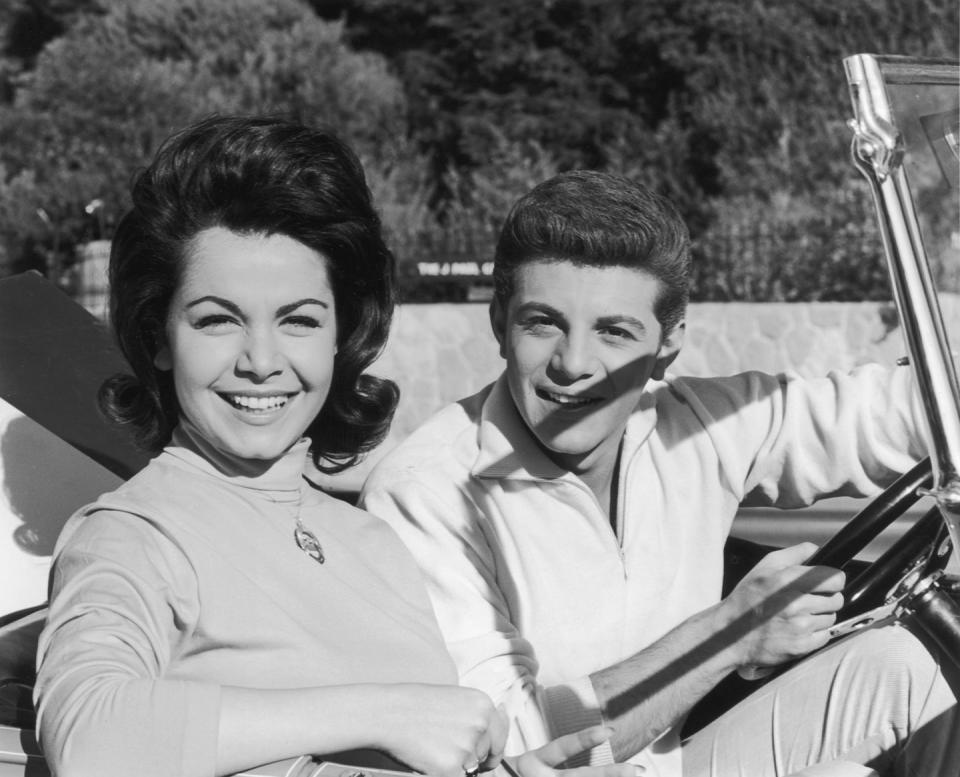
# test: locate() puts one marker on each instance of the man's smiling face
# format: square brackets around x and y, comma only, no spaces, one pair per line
[581,343]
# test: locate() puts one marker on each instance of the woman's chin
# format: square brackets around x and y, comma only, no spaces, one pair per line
[256,450]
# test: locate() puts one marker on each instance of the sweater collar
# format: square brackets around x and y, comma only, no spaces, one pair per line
[281,480]
[508,450]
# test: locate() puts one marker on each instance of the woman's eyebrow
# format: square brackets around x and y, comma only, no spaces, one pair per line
[225,303]
[235,309]
[284,309]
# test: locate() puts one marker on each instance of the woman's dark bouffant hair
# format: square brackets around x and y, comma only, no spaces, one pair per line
[598,219]
[254,175]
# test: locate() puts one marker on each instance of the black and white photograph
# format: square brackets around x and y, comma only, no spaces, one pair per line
[543,388]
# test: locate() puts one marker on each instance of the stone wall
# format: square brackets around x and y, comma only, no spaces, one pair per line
[442,352]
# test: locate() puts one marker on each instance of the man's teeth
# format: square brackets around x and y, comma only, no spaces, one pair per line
[258,403]
[562,399]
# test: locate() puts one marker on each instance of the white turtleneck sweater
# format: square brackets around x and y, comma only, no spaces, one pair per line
[188,578]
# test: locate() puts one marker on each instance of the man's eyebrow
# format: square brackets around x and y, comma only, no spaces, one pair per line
[616,320]
[540,307]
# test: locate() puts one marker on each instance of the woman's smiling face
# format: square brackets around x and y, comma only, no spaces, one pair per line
[251,336]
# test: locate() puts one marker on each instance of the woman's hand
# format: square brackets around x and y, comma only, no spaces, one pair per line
[442,730]
[543,761]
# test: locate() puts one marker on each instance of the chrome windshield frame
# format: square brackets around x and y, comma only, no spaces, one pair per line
[878,153]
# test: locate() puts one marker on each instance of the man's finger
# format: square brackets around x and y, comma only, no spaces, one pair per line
[814,580]
[787,557]
[609,770]
[825,605]
[569,745]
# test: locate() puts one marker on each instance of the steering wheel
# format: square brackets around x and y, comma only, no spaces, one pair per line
[925,542]
[869,587]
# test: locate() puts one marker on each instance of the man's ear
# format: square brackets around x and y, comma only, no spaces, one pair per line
[498,322]
[669,350]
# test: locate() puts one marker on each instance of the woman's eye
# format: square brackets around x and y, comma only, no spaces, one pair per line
[215,321]
[301,322]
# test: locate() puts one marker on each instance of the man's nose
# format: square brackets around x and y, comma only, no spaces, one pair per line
[573,357]
[260,357]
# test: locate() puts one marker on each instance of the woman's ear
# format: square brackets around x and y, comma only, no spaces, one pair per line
[498,322]
[669,350]
[163,359]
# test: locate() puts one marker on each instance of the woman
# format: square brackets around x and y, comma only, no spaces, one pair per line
[216,612]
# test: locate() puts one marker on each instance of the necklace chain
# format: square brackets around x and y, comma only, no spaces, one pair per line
[306,540]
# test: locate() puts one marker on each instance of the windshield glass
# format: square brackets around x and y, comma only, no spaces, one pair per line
[905,142]
[928,118]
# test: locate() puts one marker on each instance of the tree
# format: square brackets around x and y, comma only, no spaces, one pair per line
[735,109]
[705,99]
[102,96]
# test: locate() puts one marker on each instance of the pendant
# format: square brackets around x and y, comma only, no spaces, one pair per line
[307,542]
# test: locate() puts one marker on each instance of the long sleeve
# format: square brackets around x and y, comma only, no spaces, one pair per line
[104,705]
[447,534]
[787,441]
[187,581]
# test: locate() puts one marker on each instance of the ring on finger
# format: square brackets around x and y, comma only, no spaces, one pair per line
[472,770]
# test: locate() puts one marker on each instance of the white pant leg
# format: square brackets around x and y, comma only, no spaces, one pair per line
[836,769]
[876,699]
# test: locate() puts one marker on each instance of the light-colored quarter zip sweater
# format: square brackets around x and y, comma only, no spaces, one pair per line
[533,587]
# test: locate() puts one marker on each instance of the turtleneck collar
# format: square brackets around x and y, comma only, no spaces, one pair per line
[281,478]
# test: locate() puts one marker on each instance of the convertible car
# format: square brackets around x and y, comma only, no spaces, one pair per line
[906,134]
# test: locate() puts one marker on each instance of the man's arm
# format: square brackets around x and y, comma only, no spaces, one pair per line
[780,610]
[846,433]
[444,531]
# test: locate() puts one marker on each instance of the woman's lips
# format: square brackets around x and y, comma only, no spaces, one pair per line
[257,402]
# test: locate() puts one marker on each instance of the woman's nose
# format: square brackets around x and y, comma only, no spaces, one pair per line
[260,356]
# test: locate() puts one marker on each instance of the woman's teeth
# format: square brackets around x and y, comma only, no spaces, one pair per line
[258,403]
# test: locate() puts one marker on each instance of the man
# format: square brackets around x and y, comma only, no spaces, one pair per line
[570,518]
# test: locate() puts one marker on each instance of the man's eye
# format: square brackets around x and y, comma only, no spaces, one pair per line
[539,324]
[617,333]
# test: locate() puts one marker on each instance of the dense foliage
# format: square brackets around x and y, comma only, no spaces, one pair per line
[734,108]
